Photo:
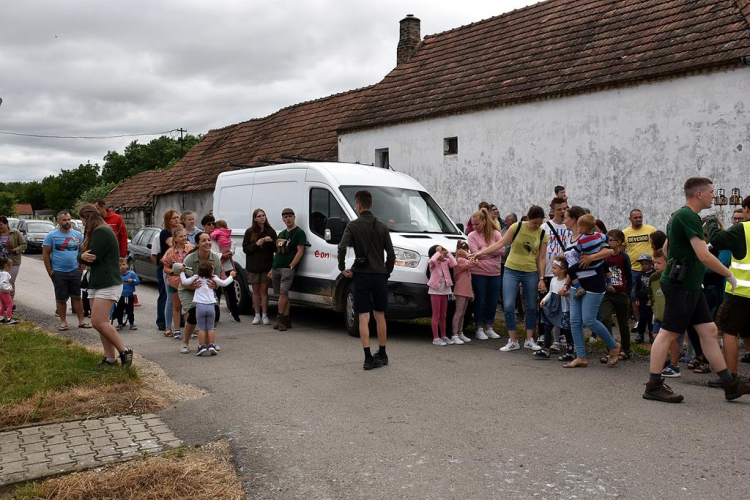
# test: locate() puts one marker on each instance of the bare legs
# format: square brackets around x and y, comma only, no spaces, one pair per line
[111,341]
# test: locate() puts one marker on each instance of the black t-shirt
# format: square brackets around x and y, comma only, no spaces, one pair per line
[163,245]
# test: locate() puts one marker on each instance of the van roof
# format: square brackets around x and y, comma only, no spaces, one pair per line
[339,173]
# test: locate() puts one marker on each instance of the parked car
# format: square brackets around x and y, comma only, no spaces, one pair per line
[139,253]
[322,195]
[34,232]
[78,225]
[13,222]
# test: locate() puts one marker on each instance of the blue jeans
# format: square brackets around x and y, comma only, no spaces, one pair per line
[512,279]
[486,293]
[167,304]
[161,322]
[583,312]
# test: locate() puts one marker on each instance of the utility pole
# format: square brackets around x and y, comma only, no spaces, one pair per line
[182,143]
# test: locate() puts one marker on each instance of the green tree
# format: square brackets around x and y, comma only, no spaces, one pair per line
[96,193]
[7,204]
[61,191]
[33,192]
[160,153]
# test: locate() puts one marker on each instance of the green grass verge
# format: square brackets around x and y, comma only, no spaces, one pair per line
[33,361]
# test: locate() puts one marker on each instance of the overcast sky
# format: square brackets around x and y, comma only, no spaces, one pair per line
[103,68]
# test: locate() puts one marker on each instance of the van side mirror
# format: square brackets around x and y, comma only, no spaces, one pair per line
[334,230]
[460,226]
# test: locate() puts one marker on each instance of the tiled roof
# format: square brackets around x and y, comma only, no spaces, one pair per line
[307,129]
[135,192]
[556,48]
[24,209]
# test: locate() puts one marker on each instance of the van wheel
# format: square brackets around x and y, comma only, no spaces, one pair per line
[241,291]
[351,320]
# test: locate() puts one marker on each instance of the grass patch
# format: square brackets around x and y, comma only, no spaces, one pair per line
[196,474]
[46,378]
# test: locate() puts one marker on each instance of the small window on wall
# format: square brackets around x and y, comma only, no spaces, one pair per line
[382,159]
[450,146]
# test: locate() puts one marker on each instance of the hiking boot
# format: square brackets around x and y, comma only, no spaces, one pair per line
[734,388]
[659,391]
[375,363]
[381,356]
[715,384]
[126,357]
[282,326]
[288,321]
[278,320]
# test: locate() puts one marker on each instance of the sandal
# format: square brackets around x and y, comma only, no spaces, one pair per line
[576,363]
[624,355]
[614,355]
[702,368]
[168,332]
[63,328]
[84,326]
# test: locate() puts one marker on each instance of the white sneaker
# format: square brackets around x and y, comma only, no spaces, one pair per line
[217,347]
[456,340]
[464,338]
[265,320]
[530,344]
[256,320]
[592,340]
[184,349]
[510,346]
[447,341]
[491,333]
[480,334]
[439,342]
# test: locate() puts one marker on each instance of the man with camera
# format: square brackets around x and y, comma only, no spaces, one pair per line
[290,247]
[685,305]
[370,239]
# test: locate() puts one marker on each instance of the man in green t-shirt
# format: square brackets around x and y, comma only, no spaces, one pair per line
[685,305]
[290,247]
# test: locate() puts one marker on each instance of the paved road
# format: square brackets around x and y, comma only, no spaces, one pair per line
[305,421]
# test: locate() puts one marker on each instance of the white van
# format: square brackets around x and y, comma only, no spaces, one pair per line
[322,197]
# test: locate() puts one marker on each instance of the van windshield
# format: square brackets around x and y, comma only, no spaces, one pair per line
[404,210]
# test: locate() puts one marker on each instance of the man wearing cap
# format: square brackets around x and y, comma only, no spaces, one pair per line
[733,317]
[290,247]
[637,242]
[370,239]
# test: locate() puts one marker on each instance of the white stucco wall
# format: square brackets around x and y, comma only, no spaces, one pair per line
[613,150]
[200,202]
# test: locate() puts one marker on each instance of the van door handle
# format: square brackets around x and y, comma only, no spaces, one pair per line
[308,245]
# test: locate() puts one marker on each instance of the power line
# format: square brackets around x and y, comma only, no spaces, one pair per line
[86,137]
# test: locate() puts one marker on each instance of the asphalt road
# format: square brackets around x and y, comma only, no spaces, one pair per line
[305,421]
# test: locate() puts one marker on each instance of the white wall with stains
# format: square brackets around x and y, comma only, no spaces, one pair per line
[613,150]
[200,202]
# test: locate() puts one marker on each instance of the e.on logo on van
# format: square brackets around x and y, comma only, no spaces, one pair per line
[322,197]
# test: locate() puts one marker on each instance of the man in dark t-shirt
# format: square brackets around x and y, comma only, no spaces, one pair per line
[685,305]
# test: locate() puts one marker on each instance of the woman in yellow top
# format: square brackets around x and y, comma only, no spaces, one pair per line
[525,266]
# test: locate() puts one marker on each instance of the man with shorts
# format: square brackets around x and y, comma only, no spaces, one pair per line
[685,305]
[60,252]
[734,315]
[370,239]
[637,242]
[290,247]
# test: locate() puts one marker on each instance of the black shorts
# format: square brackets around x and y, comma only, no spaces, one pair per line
[734,316]
[684,308]
[67,284]
[370,292]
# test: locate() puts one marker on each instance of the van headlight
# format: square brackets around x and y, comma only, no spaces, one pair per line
[406,258]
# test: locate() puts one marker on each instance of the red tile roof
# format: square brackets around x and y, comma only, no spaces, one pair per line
[307,129]
[554,48]
[24,209]
[136,192]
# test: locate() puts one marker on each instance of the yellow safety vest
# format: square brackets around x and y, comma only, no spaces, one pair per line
[741,269]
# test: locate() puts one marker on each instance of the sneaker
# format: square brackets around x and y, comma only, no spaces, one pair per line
[201,350]
[638,338]
[456,340]
[491,333]
[177,335]
[555,347]
[118,327]
[11,321]
[480,334]
[126,357]
[635,328]
[530,344]
[133,327]
[184,349]
[194,336]
[265,320]
[381,356]
[464,338]
[235,318]
[216,346]
[543,354]
[104,362]
[659,391]
[734,389]
[671,372]
[447,341]
[256,320]
[566,357]
[510,346]
[370,364]
[212,349]
[439,342]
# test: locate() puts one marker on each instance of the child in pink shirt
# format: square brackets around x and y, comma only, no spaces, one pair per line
[222,235]
[439,285]
[462,290]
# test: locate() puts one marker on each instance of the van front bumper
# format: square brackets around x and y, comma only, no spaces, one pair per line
[408,301]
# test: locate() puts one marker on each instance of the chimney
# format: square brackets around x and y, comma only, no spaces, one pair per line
[409,38]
